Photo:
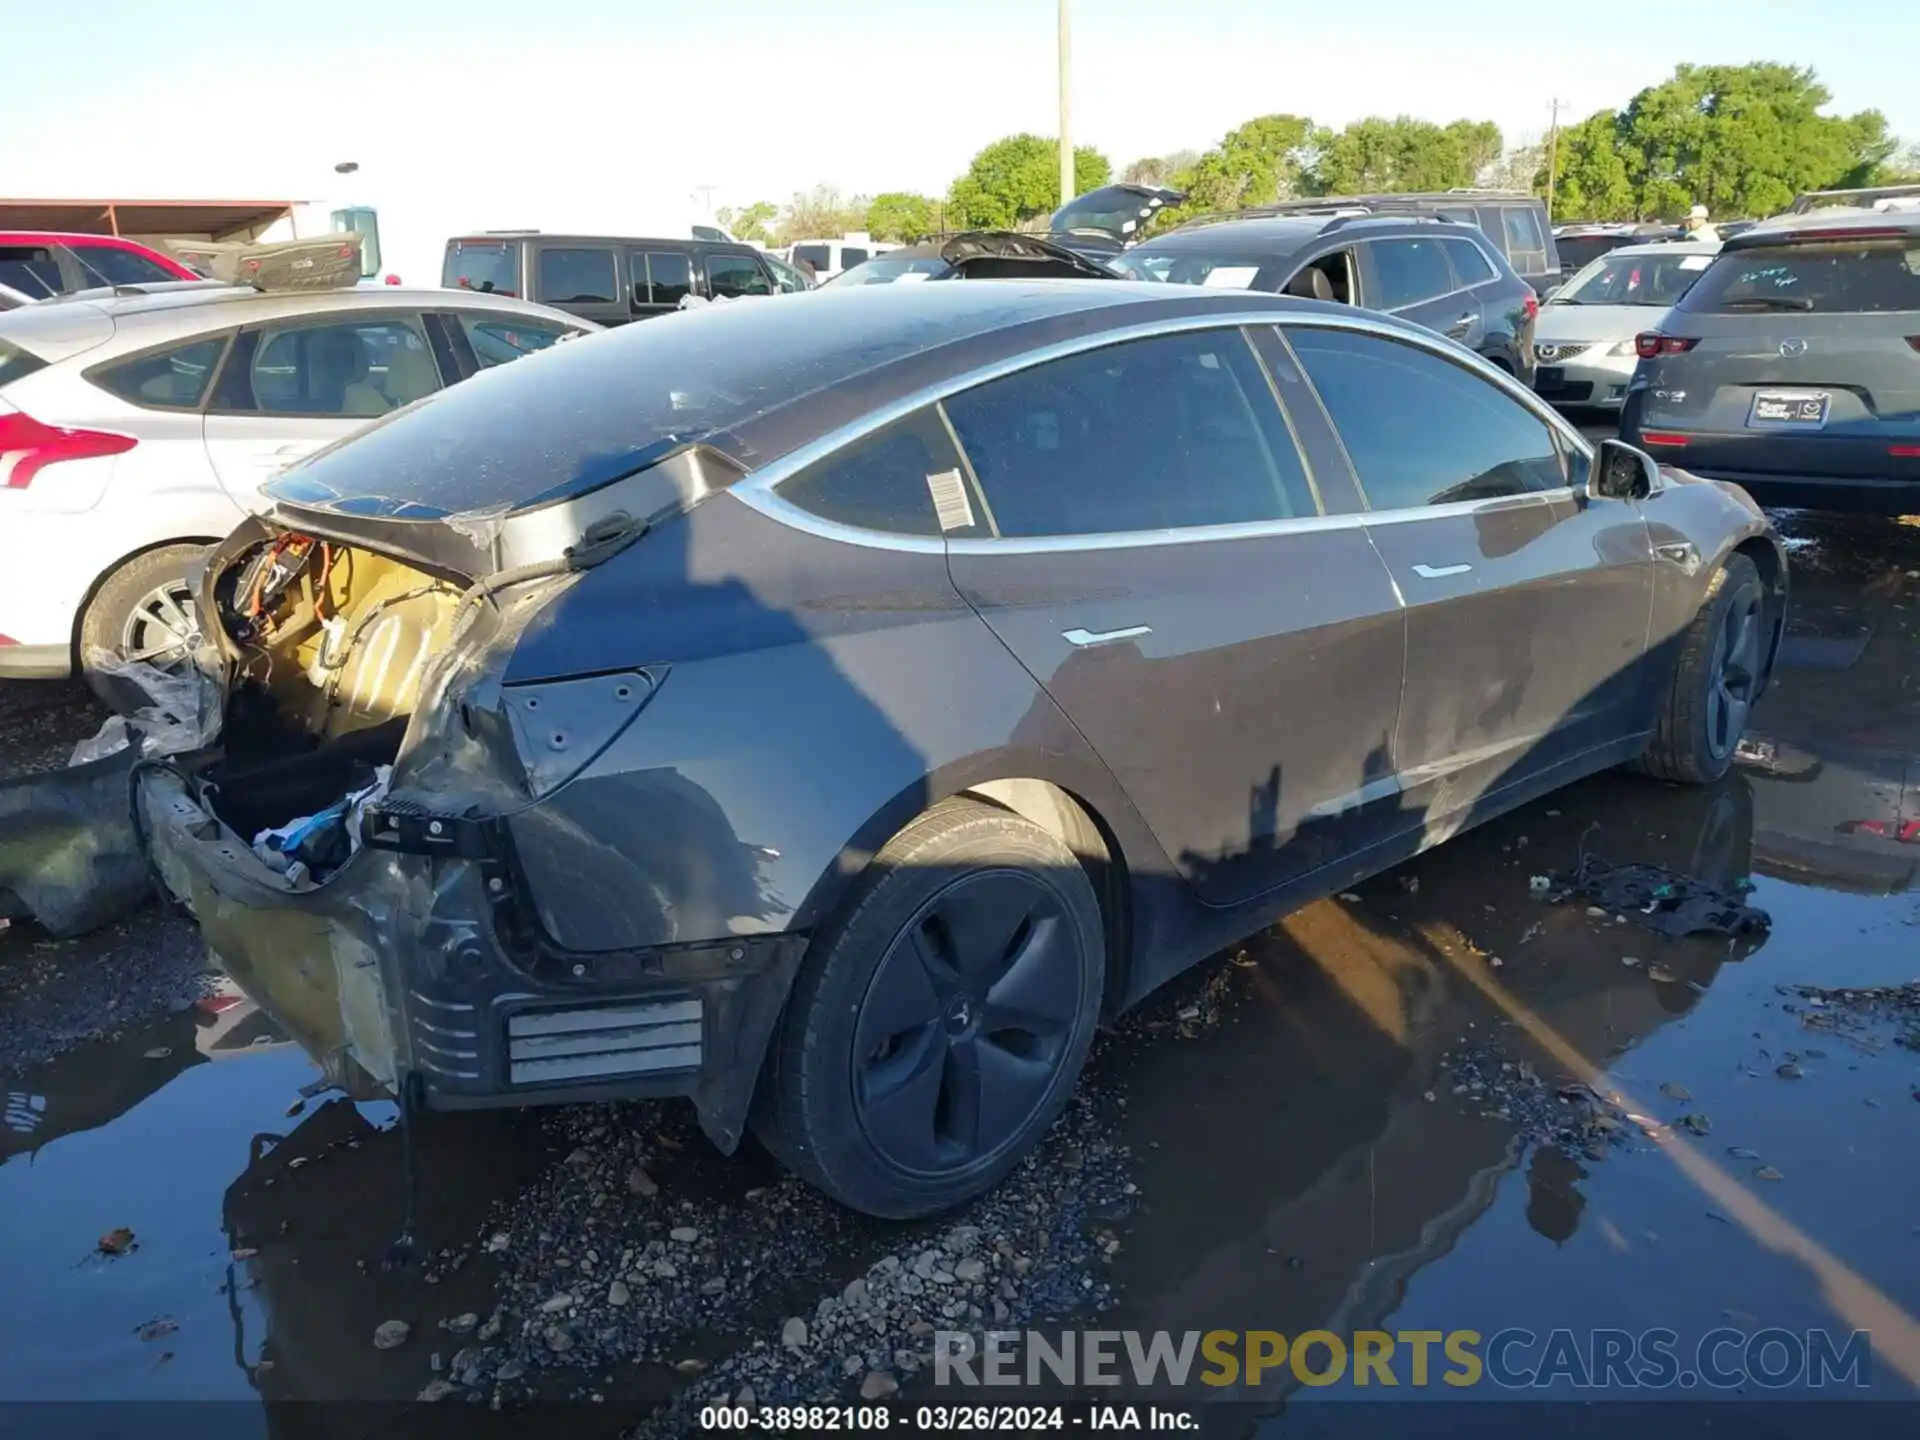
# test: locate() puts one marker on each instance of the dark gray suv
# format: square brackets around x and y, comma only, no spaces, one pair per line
[1793,364]
[1445,276]
[829,711]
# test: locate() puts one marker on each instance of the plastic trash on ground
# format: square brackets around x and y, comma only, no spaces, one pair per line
[172,711]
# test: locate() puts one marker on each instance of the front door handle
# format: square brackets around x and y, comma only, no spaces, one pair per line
[1085,638]
[1682,553]
[1440,572]
[1460,327]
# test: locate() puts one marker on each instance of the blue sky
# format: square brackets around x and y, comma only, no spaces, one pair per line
[559,113]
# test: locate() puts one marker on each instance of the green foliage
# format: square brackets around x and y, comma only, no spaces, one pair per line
[1592,182]
[1382,155]
[903,216]
[1160,169]
[821,213]
[1017,179]
[751,222]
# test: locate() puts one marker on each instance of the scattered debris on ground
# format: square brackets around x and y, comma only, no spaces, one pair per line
[1676,905]
[1858,1016]
[1570,1115]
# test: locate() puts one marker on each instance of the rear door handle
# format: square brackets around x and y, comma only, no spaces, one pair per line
[1084,638]
[1460,326]
[1440,572]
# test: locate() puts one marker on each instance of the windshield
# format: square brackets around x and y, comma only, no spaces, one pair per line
[490,266]
[16,363]
[1848,277]
[1187,267]
[1654,280]
[884,271]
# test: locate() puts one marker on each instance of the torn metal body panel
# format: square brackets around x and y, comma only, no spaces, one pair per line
[68,856]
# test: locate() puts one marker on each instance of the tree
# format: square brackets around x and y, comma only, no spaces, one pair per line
[1743,140]
[1900,169]
[903,216]
[753,222]
[1381,155]
[1516,169]
[1017,179]
[1592,182]
[1160,169]
[821,213]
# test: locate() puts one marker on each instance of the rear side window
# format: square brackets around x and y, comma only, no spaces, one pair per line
[575,276]
[106,265]
[731,276]
[660,277]
[496,339]
[888,482]
[1855,278]
[852,255]
[1160,434]
[1408,272]
[490,266]
[1526,243]
[30,269]
[16,363]
[174,379]
[348,369]
[1470,262]
[1421,430]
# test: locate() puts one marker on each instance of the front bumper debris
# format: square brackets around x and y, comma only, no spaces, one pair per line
[406,964]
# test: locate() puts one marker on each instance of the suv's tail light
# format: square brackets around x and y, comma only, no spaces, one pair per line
[27,447]
[1651,344]
[1533,304]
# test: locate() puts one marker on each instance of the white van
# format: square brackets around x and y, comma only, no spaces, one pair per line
[827,258]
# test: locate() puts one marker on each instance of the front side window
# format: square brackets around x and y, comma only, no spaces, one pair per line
[1409,272]
[1421,430]
[171,379]
[731,276]
[30,269]
[345,369]
[903,479]
[1159,434]
[852,255]
[790,280]
[1846,277]
[496,339]
[575,277]
[108,265]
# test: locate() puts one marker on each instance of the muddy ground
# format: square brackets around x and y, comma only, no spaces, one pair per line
[1437,1102]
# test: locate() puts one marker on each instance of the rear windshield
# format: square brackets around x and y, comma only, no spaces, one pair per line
[489,266]
[17,362]
[1580,250]
[818,256]
[1108,211]
[1656,280]
[1855,277]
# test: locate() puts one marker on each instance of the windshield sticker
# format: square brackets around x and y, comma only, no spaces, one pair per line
[1695,262]
[1231,277]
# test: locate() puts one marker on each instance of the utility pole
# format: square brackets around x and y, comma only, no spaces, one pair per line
[1066,127]
[1553,152]
[704,194]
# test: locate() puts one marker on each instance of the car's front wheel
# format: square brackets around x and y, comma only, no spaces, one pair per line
[937,1027]
[1721,667]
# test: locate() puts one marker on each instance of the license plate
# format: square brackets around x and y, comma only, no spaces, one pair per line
[1549,377]
[1788,410]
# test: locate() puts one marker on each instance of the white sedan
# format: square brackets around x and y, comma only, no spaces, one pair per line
[1583,338]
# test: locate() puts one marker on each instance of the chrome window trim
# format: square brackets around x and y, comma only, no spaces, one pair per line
[760,489]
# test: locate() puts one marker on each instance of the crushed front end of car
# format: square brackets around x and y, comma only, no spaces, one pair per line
[355,845]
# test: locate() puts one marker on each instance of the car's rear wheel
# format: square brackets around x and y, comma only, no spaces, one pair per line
[142,611]
[936,1028]
[1716,679]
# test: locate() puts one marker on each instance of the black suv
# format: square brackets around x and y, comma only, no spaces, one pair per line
[1515,221]
[608,279]
[1444,276]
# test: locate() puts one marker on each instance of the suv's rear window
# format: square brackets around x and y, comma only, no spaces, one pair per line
[17,362]
[1838,278]
[489,266]
[818,256]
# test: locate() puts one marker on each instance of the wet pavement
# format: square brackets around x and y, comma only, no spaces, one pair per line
[1438,1102]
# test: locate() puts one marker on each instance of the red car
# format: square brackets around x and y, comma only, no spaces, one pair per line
[39,263]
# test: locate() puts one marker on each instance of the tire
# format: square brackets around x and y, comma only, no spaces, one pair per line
[128,617]
[901,1028]
[1721,666]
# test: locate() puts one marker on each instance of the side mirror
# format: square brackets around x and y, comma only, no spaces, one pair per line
[1552,290]
[1621,472]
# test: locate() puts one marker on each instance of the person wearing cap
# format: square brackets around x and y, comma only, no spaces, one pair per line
[1697,226]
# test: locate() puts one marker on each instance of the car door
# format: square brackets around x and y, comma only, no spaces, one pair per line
[1410,276]
[660,280]
[1527,603]
[1159,563]
[290,386]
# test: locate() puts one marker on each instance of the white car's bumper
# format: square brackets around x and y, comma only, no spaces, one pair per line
[1582,375]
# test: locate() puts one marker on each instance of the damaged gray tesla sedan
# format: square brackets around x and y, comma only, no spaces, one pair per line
[831,713]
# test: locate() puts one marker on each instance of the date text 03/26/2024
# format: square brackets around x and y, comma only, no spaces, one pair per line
[943,1419]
